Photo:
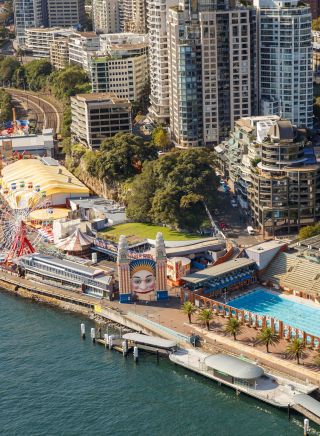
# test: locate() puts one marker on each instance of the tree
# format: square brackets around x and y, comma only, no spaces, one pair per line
[295,350]
[37,72]
[122,156]
[205,316]
[317,360]
[5,106]
[181,182]
[8,66]
[160,137]
[189,309]
[316,24]
[268,337]
[309,231]
[66,121]
[69,81]
[233,327]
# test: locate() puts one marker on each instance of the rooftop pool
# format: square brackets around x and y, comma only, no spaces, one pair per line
[298,315]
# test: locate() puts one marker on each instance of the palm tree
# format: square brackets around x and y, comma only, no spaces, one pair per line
[295,350]
[268,337]
[233,327]
[189,309]
[206,316]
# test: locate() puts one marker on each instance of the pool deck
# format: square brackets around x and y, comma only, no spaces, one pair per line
[272,389]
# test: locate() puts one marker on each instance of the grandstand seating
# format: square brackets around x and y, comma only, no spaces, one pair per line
[294,272]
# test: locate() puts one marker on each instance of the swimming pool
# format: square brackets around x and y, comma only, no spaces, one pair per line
[295,314]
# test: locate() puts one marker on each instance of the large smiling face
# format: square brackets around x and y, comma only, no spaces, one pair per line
[142,282]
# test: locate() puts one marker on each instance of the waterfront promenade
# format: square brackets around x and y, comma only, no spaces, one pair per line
[162,319]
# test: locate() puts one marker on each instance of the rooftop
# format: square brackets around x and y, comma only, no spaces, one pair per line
[215,271]
[101,97]
[234,367]
[266,246]
[153,341]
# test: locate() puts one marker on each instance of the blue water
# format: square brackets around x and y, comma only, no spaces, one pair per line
[54,383]
[297,315]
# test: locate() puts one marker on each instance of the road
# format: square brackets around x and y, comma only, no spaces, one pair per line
[47,116]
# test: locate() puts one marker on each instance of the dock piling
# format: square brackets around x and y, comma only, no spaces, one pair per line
[110,342]
[93,334]
[158,357]
[124,348]
[83,330]
[105,340]
[135,353]
[306,427]
[289,412]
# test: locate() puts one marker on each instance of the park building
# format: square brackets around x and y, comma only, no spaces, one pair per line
[121,67]
[66,274]
[81,44]
[285,60]
[99,116]
[38,40]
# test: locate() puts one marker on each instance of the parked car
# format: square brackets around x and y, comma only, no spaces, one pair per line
[250,231]
[234,203]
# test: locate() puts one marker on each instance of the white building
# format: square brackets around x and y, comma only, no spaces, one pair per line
[122,66]
[285,60]
[27,13]
[107,16]
[39,145]
[81,44]
[66,13]
[96,117]
[157,11]
[38,40]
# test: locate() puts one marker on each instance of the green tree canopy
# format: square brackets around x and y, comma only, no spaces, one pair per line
[69,81]
[189,309]
[171,190]
[206,316]
[122,156]
[309,231]
[233,327]
[37,72]
[316,24]
[8,66]
[160,138]
[5,106]
[295,350]
[268,337]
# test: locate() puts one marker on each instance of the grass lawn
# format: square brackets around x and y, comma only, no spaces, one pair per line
[136,232]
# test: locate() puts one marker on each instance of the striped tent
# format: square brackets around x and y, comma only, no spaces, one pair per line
[77,243]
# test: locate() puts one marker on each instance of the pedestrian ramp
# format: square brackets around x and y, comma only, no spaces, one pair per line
[308,406]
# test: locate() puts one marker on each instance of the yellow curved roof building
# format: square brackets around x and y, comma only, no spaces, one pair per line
[55,181]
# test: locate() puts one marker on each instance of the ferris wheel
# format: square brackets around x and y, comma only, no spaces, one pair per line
[20,205]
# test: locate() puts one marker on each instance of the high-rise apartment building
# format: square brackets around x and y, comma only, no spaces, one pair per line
[96,117]
[59,52]
[157,11]
[28,13]
[121,67]
[66,13]
[38,41]
[212,60]
[135,16]
[107,16]
[285,60]
[46,13]
[275,174]
[81,44]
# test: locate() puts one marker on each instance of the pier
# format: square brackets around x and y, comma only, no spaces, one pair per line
[244,376]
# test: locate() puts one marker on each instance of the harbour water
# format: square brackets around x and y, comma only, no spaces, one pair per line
[54,383]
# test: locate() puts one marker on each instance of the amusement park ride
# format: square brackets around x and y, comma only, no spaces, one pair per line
[18,230]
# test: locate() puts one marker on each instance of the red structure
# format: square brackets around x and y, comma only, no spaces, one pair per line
[21,244]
